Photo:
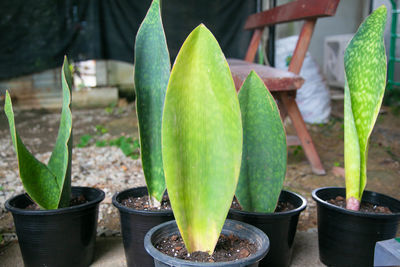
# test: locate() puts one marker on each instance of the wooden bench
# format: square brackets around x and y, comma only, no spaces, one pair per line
[284,84]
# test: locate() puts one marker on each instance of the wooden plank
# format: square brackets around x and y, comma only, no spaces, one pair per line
[255,41]
[297,10]
[302,132]
[274,79]
[302,46]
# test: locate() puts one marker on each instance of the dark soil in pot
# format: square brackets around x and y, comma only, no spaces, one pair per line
[74,201]
[253,243]
[280,226]
[228,248]
[365,207]
[136,220]
[62,237]
[143,203]
[347,238]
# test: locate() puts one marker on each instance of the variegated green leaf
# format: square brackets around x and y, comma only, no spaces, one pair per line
[152,69]
[39,182]
[365,68]
[264,153]
[60,160]
[201,140]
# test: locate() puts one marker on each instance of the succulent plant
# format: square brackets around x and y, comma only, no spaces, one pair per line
[365,69]
[48,185]
[152,70]
[264,154]
[201,140]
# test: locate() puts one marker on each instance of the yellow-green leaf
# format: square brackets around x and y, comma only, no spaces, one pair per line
[201,140]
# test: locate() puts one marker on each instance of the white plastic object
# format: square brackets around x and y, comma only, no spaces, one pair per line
[334,48]
[313,97]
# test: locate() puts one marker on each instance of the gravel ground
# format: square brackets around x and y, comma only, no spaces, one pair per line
[106,168]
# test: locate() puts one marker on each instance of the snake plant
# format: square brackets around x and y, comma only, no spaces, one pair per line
[264,155]
[201,140]
[365,69]
[152,69]
[48,185]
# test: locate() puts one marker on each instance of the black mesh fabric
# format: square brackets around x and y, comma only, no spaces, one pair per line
[34,35]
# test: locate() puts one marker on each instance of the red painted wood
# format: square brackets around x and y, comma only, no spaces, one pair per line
[296,10]
[302,132]
[302,46]
[274,79]
[255,41]
[283,84]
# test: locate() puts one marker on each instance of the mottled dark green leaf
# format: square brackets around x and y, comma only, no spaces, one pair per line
[49,186]
[152,69]
[365,68]
[39,182]
[201,140]
[264,154]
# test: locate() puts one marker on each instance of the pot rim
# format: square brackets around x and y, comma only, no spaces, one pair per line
[125,209]
[277,214]
[15,210]
[156,254]
[352,212]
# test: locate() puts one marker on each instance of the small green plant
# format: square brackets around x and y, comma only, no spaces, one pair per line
[264,153]
[101,143]
[48,185]
[152,70]
[201,140]
[365,69]
[128,146]
[297,150]
[84,140]
[100,129]
[110,108]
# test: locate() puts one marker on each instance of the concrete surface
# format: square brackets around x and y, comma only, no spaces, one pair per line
[110,252]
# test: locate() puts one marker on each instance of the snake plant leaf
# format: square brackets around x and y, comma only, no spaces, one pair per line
[201,140]
[39,182]
[60,159]
[152,69]
[365,69]
[264,153]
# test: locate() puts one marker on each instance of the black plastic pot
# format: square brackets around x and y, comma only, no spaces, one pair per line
[134,226]
[240,229]
[280,228]
[347,238]
[61,237]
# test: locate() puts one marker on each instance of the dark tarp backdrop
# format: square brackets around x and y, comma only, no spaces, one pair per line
[34,35]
